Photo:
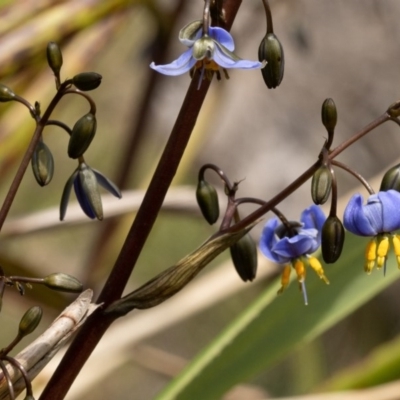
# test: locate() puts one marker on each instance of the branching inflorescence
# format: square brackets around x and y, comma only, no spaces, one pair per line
[291,244]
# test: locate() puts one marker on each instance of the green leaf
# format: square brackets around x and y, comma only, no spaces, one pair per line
[273,325]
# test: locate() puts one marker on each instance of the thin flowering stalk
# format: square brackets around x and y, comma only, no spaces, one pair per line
[255,215]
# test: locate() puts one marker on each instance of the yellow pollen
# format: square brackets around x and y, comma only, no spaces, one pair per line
[207,64]
[383,248]
[370,256]
[285,278]
[316,266]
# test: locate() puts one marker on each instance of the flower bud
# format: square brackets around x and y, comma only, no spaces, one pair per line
[207,199]
[332,239]
[91,194]
[6,94]
[244,257]
[321,185]
[42,164]
[391,180]
[63,283]
[82,135]
[30,321]
[54,57]
[86,81]
[271,50]
[329,115]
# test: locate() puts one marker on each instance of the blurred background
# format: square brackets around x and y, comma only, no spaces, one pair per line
[346,50]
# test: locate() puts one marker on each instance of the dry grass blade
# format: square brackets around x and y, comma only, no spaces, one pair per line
[34,357]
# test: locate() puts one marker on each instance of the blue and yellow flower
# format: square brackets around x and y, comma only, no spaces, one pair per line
[207,52]
[292,243]
[379,218]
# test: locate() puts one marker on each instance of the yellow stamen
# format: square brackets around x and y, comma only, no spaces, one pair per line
[300,269]
[370,256]
[396,246]
[382,250]
[317,267]
[285,278]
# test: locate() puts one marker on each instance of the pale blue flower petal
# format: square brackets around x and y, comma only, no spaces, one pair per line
[196,32]
[226,60]
[222,37]
[178,67]
[107,184]
[294,247]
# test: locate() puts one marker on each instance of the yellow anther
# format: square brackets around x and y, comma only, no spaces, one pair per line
[317,267]
[370,256]
[396,247]
[298,265]
[382,250]
[285,278]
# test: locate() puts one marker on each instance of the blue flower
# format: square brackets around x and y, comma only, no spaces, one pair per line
[207,52]
[378,218]
[291,244]
[85,181]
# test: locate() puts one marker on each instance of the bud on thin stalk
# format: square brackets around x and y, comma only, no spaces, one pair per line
[63,283]
[82,135]
[332,239]
[42,164]
[321,185]
[86,81]
[391,179]
[271,51]
[54,59]
[6,94]
[30,321]
[244,257]
[329,119]
[207,199]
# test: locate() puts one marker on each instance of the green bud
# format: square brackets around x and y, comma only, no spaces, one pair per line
[6,94]
[63,283]
[91,189]
[42,164]
[30,321]
[207,199]
[54,57]
[332,239]
[271,51]
[244,257]
[329,115]
[86,81]
[321,185]
[391,180]
[82,135]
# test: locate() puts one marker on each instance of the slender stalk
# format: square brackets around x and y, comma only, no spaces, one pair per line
[28,155]
[268,14]
[306,175]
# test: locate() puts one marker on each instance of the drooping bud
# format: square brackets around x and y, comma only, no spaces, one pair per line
[42,164]
[86,81]
[82,135]
[30,321]
[391,179]
[271,51]
[332,239]
[6,94]
[207,199]
[244,257]
[329,115]
[54,58]
[63,283]
[90,199]
[321,185]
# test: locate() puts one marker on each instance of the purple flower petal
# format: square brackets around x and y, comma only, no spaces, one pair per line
[268,240]
[313,217]
[355,220]
[222,36]
[390,210]
[295,246]
[178,67]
